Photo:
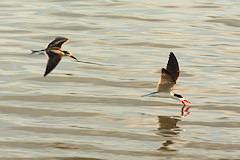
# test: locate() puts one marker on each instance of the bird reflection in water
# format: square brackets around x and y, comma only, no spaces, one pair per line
[168,128]
[185,111]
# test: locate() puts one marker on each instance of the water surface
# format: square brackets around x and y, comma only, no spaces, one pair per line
[84,111]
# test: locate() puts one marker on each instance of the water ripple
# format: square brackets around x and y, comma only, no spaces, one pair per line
[227,22]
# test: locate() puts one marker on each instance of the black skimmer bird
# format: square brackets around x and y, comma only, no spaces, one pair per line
[169,77]
[54,53]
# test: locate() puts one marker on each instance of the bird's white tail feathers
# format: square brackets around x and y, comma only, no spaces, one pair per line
[39,52]
[150,94]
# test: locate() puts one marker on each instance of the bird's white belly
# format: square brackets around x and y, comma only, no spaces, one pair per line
[162,95]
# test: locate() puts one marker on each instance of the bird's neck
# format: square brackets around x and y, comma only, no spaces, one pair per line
[176,96]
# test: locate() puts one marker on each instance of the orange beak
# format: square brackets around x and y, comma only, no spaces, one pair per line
[73,57]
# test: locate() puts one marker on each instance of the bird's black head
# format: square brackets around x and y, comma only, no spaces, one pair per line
[67,53]
[177,95]
[180,97]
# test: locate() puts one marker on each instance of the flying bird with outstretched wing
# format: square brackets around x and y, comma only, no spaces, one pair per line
[169,77]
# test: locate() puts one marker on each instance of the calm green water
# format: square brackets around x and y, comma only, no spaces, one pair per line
[83,111]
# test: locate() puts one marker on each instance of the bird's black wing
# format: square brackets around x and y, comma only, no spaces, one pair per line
[172,67]
[166,82]
[57,43]
[53,60]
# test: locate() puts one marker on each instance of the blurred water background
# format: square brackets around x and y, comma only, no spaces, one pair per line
[84,111]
